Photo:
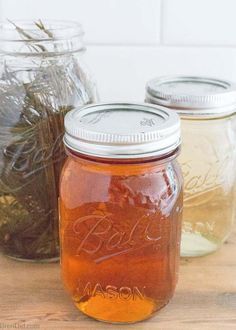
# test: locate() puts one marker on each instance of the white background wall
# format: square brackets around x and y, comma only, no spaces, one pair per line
[130,41]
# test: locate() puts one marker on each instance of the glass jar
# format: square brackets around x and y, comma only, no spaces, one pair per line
[120,210]
[42,77]
[207,108]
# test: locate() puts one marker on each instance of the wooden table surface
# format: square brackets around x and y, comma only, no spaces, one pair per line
[32,297]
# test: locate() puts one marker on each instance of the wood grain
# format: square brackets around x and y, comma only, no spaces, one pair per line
[32,297]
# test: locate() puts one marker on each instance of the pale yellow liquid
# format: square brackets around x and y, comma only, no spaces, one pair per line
[209,170]
[208,219]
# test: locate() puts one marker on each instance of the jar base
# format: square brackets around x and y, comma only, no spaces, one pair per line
[121,320]
[195,245]
[46,260]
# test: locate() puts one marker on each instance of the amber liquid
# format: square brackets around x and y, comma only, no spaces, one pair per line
[120,237]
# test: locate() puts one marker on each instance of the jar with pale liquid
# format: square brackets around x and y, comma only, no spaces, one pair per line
[120,210]
[206,107]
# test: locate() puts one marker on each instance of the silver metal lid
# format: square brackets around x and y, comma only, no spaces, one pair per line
[122,130]
[193,96]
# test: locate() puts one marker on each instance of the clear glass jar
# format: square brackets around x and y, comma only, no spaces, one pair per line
[120,210]
[206,107]
[42,77]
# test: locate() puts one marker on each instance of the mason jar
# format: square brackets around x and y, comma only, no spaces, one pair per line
[207,109]
[42,77]
[120,210]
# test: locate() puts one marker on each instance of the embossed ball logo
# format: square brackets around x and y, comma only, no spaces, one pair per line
[99,237]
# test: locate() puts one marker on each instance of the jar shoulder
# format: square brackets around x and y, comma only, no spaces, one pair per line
[131,185]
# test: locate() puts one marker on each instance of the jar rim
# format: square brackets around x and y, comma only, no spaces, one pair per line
[71,28]
[25,36]
[161,159]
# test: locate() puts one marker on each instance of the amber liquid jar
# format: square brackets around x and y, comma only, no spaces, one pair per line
[120,210]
